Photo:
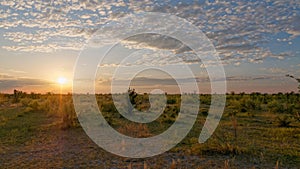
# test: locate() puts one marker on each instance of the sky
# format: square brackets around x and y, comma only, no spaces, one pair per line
[257,42]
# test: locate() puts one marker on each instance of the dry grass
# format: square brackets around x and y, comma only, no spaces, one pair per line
[226,164]
[173,164]
[277,165]
[258,141]
[135,130]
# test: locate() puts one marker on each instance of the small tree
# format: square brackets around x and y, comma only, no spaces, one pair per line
[132,95]
[17,95]
[233,115]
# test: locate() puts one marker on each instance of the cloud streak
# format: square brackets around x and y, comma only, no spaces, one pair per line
[147,81]
[8,82]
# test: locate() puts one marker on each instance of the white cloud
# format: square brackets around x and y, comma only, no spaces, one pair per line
[275,70]
[236,30]
[45,48]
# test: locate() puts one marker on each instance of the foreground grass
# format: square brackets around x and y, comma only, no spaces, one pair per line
[18,125]
[47,135]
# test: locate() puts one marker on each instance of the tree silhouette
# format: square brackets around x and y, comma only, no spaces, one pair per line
[298,80]
[132,95]
[17,95]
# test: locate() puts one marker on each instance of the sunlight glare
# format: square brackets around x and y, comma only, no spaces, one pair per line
[61,80]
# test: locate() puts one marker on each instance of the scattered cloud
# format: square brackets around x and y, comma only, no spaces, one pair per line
[275,70]
[238,29]
[148,81]
[17,71]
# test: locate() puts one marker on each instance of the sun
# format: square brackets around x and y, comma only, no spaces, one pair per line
[61,80]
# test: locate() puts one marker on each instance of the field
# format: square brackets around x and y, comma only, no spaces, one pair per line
[255,131]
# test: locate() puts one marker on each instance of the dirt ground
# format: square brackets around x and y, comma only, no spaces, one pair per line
[48,146]
[52,147]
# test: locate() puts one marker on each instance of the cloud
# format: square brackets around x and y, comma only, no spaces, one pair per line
[17,71]
[5,76]
[252,78]
[151,81]
[45,48]
[275,70]
[155,42]
[8,82]
[238,29]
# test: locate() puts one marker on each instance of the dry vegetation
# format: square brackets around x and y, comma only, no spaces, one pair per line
[256,131]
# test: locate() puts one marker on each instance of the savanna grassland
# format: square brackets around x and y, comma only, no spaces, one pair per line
[255,131]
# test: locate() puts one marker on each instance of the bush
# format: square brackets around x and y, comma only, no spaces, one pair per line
[34,105]
[203,111]
[276,107]
[25,101]
[28,109]
[62,108]
[51,105]
[135,130]
[108,107]
[284,121]
[171,101]
[243,109]
[2,99]
[297,116]
[69,118]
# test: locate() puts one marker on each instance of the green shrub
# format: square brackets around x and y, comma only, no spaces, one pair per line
[108,107]
[68,115]
[276,106]
[58,106]
[171,101]
[203,111]
[3,99]
[243,109]
[284,121]
[34,105]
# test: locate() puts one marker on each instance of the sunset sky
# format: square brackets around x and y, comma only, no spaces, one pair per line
[257,40]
